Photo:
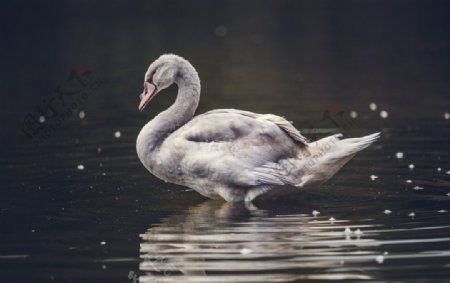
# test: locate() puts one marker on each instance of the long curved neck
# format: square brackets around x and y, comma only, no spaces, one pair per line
[157,130]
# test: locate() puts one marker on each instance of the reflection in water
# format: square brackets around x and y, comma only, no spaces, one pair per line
[225,242]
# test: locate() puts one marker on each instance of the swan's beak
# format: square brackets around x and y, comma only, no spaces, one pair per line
[149,91]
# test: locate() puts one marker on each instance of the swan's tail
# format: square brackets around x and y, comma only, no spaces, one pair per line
[348,147]
[329,154]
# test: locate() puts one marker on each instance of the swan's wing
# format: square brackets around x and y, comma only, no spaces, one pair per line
[271,173]
[282,123]
[236,147]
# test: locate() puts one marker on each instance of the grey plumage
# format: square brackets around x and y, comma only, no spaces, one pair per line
[232,154]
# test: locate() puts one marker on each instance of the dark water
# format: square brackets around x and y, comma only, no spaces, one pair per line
[77,206]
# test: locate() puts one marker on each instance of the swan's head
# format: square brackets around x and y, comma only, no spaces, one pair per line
[160,75]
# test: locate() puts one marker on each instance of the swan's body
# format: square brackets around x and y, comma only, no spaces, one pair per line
[231,154]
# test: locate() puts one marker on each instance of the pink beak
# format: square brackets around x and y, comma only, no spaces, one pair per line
[147,95]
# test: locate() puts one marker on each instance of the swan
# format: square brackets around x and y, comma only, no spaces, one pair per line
[231,154]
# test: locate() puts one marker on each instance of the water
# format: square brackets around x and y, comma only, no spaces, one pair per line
[79,207]
[230,243]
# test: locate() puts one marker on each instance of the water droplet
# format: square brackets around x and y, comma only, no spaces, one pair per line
[411,166]
[448,172]
[117,134]
[439,169]
[41,119]
[448,194]
[221,31]
[408,181]
[446,115]
[332,218]
[80,167]
[412,214]
[373,106]
[384,114]
[358,232]
[373,177]
[315,213]
[417,188]
[442,211]
[347,231]
[387,211]
[353,114]
[103,243]
[99,149]
[399,155]
[81,114]
[246,251]
[379,259]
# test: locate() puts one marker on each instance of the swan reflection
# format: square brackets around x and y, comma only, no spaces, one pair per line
[226,242]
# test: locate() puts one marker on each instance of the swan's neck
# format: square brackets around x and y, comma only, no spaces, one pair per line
[157,130]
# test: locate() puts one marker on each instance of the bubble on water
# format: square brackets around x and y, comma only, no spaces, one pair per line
[439,169]
[373,106]
[315,212]
[442,211]
[102,243]
[417,188]
[117,134]
[411,166]
[347,231]
[81,114]
[412,214]
[221,31]
[246,251]
[408,181]
[448,172]
[373,177]
[80,167]
[41,119]
[353,114]
[385,253]
[384,114]
[446,115]
[99,149]
[448,194]
[332,218]
[358,232]
[379,259]
[387,211]
[399,155]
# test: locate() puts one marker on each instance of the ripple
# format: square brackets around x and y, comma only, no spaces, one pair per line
[198,246]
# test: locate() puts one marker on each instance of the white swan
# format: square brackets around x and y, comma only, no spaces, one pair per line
[231,154]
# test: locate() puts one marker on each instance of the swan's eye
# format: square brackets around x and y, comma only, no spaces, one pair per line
[150,78]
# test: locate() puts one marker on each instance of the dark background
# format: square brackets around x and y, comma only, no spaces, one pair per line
[308,54]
